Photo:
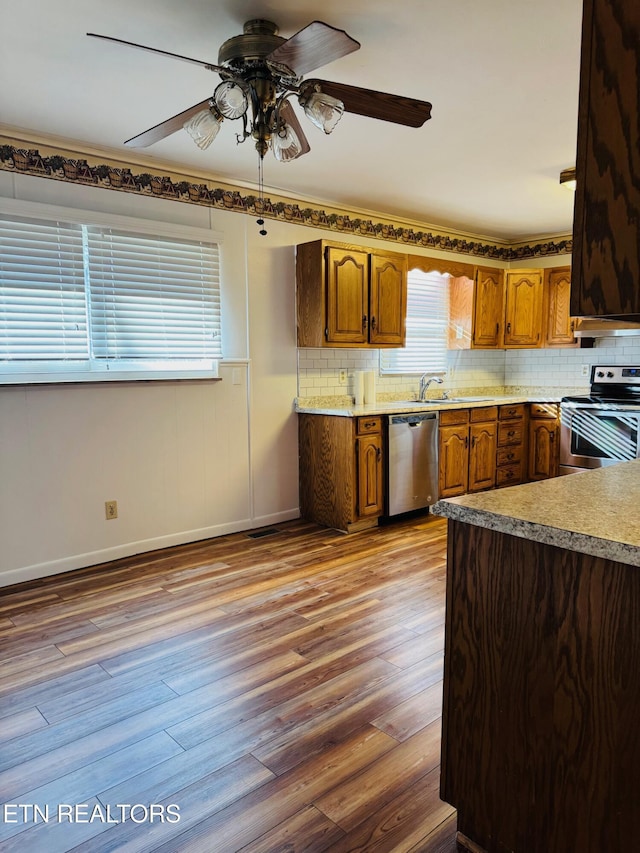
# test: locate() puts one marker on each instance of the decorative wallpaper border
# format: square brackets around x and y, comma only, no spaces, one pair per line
[78,171]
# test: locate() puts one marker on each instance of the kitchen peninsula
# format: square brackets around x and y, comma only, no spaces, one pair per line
[541,750]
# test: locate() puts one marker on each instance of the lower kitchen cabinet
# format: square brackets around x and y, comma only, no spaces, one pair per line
[544,440]
[467,450]
[369,467]
[341,470]
[510,457]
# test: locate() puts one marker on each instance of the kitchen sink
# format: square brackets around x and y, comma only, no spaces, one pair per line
[438,402]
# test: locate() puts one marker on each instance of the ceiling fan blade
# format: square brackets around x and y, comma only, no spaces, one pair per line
[165,128]
[367,102]
[315,45]
[288,114]
[207,65]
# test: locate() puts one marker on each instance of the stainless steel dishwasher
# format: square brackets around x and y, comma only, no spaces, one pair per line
[412,462]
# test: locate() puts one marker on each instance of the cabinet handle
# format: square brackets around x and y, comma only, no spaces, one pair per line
[508,328]
[510,456]
[511,412]
[466,441]
[368,424]
[497,328]
[364,322]
[552,436]
[378,453]
[373,323]
[511,433]
[473,441]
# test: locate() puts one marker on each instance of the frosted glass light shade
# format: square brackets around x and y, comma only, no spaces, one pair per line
[285,144]
[231,99]
[203,128]
[323,110]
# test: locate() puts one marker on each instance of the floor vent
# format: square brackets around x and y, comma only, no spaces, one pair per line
[268,531]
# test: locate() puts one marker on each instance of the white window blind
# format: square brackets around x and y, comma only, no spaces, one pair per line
[152,298]
[92,301]
[427,327]
[42,293]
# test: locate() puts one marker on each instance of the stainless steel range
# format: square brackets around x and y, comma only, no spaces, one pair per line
[604,427]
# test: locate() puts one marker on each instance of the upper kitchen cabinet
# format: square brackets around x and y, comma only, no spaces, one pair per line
[557,318]
[606,229]
[349,296]
[476,305]
[524,292]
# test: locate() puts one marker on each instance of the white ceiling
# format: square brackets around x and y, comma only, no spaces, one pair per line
[502,77]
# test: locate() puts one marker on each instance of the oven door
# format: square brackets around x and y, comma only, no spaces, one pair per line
[594,435]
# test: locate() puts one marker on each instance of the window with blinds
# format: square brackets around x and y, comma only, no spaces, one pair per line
[88,299]
[427,327]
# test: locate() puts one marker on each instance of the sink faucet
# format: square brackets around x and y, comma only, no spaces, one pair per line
[424,384]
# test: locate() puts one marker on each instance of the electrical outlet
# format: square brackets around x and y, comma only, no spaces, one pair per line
[110,509]
[585,369]
[342,377]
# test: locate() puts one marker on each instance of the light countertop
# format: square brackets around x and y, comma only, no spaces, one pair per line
[595,512]
[385,405]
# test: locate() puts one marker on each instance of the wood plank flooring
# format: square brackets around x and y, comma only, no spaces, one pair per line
[280,693]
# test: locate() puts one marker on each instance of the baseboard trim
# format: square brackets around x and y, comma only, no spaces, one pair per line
[129,549]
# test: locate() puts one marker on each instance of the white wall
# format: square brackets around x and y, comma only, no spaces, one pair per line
[185,460]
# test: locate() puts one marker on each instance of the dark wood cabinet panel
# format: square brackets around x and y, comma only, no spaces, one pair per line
[606,230]
[541,695]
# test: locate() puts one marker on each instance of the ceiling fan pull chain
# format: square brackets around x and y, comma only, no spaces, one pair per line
[260,221]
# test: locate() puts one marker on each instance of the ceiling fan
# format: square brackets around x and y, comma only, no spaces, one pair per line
[260,72]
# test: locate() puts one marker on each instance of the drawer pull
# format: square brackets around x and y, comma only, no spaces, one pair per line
[511,433]
[368,424]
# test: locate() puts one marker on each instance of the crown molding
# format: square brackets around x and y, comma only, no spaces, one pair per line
[46,157]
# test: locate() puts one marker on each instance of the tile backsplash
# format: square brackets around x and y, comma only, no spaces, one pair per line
[320,370]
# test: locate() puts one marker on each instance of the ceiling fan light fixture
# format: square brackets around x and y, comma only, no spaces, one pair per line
[285,144]
[323,110]
[203,127]
[568,178]
[231,99]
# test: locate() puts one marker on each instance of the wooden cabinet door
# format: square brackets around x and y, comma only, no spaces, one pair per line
[453,460]
[606,222]
[559,325]
[369,465]
[523,311]
[387,299]
[347,296]
[482,456]
[543,449]
[488,312]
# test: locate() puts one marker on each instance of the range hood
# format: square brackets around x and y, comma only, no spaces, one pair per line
[604,327]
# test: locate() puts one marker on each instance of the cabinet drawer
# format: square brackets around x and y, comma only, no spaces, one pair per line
[543,410]
[454,416]
[509,475]
[483,413]
[511,413]
[509,455]
[510,433]
[367,426]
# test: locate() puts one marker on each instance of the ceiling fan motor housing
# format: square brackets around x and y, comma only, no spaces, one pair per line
[259,38]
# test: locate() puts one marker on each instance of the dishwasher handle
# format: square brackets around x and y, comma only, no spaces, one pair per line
[413,420]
